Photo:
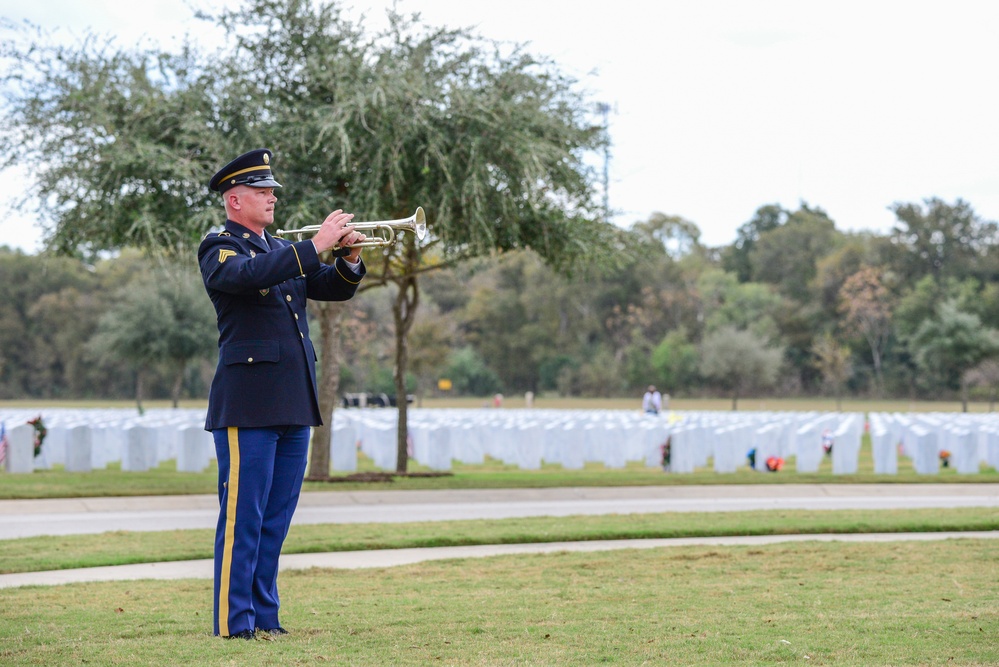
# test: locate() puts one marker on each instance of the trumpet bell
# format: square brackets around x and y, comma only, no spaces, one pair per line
[419,223]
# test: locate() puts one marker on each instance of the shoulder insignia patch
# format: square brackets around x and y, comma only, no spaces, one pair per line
[225,254]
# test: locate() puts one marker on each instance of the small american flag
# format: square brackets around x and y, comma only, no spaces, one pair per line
[3,443]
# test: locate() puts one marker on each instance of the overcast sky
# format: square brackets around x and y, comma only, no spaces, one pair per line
[718,106]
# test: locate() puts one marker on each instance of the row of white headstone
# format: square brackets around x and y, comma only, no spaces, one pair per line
[964,441]
[82,440]
[697,439]
[571,439]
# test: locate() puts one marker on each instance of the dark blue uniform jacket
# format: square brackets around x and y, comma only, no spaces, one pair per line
[266,374]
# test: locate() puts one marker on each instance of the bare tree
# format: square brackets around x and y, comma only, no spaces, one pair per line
[833,361]
[866,307]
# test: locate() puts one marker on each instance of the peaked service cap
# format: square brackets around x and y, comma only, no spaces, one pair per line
[253,169]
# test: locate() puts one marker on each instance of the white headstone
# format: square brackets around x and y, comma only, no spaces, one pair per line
[846,446]
[79,447]
[139,449]
[924,449]
[964,451]
[343,448]
[884,449]
[20,449]
[808,447]
[194,449]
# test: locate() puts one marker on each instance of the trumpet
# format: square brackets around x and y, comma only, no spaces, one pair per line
[416,223]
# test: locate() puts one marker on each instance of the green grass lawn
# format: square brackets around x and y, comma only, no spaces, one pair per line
[123,547]
[907,603]
[904,603]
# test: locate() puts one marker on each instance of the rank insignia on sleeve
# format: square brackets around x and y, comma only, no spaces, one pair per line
[225,254]
[265,291]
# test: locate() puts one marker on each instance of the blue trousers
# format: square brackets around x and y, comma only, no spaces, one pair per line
[260,479]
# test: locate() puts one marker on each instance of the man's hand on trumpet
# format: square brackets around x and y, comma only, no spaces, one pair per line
[336,231]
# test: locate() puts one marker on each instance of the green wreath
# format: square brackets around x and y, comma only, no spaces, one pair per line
[40,433]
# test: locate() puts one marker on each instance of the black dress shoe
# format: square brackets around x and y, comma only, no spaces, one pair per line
[248,635]
[274,631]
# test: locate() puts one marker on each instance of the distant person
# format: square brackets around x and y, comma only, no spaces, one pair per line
[652,402]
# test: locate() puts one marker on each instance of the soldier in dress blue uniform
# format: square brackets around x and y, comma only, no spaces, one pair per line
[263,399]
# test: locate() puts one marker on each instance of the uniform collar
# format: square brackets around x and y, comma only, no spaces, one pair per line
[242,232]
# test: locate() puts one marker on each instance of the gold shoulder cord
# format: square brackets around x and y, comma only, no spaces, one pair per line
[301,271]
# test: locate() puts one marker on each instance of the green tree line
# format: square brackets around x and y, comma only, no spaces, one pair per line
[792,307]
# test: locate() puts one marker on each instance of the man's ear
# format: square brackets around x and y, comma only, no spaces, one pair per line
[232,200]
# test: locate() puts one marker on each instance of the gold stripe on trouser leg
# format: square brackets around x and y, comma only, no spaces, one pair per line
[230,530]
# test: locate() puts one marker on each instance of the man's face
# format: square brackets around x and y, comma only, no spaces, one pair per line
[256,205]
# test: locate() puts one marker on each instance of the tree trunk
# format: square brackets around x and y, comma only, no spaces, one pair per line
[139,388]
[403,311]
[735,401]
[178,383]
[964,395]
[878,380]
[330,320]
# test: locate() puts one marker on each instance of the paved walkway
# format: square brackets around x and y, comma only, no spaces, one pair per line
[23,518]
[26,518]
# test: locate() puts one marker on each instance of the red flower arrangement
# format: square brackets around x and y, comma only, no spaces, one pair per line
[827,442]
[665,452]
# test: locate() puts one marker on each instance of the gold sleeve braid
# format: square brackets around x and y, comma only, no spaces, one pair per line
[352,282]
